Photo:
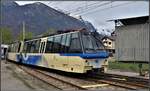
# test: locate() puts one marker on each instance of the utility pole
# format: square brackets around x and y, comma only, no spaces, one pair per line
[0,33]
[0,44]
[23,30]
[149,52]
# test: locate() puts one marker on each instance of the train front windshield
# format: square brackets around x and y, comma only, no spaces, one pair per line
[90,44]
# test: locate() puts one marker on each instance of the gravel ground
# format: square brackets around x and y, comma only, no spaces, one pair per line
[14,79]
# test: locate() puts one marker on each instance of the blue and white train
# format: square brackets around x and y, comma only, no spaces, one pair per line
[76,52]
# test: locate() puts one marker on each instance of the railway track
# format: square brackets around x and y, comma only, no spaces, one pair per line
[130,78]
[110,79]
[65,85]
[51,80]
[128,82]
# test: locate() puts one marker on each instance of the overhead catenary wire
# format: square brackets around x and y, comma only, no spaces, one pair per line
[90,12]
[94,7]
[83,7]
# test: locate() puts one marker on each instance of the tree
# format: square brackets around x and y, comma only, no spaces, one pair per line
[6,35]
[49,31]
[28,35]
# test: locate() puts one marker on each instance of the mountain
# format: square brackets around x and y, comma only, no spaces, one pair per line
[38,18]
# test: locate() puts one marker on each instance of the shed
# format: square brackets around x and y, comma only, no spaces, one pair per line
[132,39]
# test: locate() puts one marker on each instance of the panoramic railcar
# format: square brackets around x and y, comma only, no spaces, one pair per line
[77,52]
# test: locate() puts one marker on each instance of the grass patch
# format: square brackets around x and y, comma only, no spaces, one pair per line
[127,66]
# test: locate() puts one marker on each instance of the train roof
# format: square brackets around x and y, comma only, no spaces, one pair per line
[58,33]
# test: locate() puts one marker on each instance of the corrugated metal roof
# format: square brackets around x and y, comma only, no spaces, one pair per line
[132,20]
[109,37]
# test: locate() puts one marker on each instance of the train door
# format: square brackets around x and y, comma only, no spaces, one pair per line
[43,45]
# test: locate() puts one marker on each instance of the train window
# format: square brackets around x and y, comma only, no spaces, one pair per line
[75,45]
[57,44]
[67,44]
[31,46]
[37,46]
[28,47]
[63,39]
[90,43]
[43,47]
[68,40]
[25,47]
[63,42]
[87,43]
[49,45]
[95,45]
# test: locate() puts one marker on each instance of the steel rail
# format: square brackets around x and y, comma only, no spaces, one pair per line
[109,79]
[123,76]
[36,76]
[118,84]
[81,88]
[41,75]
[130,83]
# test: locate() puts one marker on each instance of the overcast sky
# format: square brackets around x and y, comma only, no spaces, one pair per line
[99,12]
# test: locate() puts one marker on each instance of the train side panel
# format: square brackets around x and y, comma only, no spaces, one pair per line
[53,61]
[64,63]
[73,64]
[12,56]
